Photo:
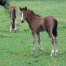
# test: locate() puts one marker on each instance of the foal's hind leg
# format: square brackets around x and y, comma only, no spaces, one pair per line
[11,21]
[15,25]
[34,38]
[39,41]
[16,28]
[52,40]
[56,50]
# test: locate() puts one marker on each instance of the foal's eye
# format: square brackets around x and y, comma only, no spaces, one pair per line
[25,14]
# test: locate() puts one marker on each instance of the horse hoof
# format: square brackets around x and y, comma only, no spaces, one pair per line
[15,31]
[51,55]
[40,53]
[32,52]
[55,55]
[10,31]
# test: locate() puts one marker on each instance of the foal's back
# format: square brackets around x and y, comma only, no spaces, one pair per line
[44,23]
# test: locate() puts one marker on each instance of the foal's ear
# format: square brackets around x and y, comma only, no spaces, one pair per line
[25,8]
[20,8]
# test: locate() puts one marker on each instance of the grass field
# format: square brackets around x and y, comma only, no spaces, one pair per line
[16,48]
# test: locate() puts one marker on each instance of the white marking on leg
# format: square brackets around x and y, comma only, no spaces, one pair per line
[56,50]
[52,52]
[15,27]
[10,28]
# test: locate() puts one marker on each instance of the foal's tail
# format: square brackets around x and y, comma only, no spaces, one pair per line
[13,17]
[13,25]
[55,28]
[14,13]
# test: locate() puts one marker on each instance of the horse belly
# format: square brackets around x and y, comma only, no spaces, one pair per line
[41,28]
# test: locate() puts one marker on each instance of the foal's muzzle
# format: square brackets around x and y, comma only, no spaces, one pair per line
[22,21]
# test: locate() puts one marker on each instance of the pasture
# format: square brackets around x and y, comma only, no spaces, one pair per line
[16,48]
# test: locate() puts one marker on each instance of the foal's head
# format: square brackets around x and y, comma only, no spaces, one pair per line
[23,14]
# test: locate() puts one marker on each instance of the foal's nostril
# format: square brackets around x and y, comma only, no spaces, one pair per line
[22,21]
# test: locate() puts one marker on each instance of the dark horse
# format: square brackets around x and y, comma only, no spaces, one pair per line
[38,24]
[5,4]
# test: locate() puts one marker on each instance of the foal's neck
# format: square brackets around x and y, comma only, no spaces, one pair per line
[30,17]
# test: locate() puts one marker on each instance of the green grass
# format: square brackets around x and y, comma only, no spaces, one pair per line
[16,48]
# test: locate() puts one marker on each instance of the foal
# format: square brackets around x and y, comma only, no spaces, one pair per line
[38,24]
[13,18]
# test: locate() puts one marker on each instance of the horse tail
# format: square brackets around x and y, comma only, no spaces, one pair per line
[13,17]
[55,28]
[13,25]
[14,13]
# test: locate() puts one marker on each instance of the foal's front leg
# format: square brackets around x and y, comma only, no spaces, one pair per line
[39,41]
[34,38]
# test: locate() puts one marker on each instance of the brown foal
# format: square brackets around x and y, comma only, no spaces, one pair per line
[13,18]
[38,24]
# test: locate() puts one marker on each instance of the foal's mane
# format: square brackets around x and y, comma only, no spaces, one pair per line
[31,12]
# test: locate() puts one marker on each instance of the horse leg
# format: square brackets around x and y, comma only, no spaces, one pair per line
[56,50]
[34,38]
[15,25]
[39,41]
[17,28]
[52,41]
[11,25]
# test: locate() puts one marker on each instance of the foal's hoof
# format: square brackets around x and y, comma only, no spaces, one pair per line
[15,31]
[40,53]
[51,55]
[32,52]
[55,53]
[10,31]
